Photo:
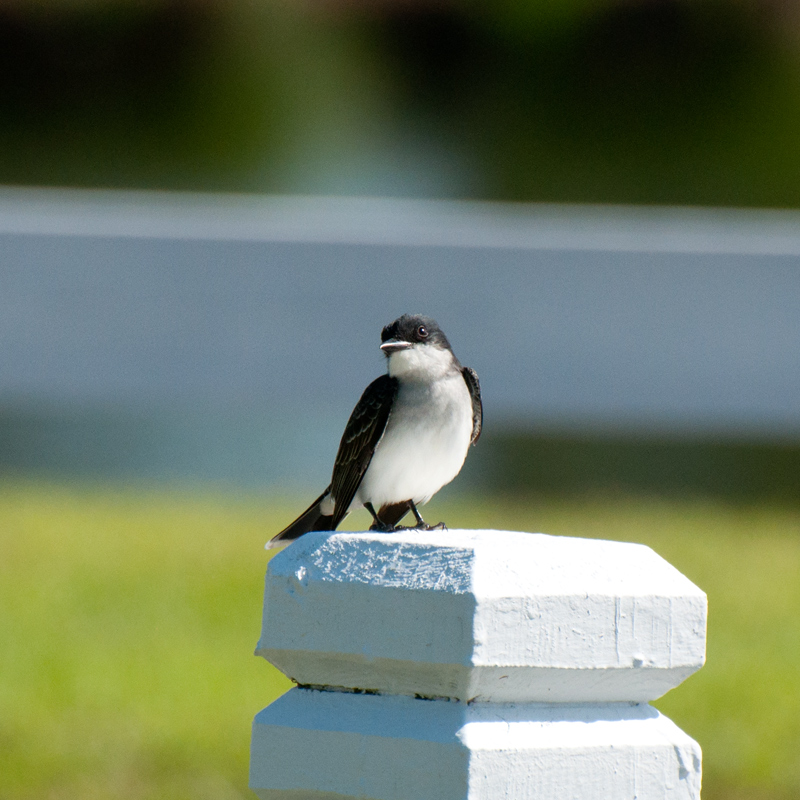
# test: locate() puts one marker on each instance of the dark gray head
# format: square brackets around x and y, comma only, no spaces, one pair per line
[412,329]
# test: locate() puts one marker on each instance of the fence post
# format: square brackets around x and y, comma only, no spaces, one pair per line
[475,665]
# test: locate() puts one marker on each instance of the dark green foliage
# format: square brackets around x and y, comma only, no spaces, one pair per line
[676,467]
[582,100]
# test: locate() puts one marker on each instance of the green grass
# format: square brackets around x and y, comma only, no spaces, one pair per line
[127,635]
[129,620]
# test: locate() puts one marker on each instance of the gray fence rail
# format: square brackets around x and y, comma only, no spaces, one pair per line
[208,320]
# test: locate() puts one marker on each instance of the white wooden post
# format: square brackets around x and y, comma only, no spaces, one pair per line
[475,665]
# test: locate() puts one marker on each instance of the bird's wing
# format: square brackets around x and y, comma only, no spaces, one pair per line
[474,386]
[363,432]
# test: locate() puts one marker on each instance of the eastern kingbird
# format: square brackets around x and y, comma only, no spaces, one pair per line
[407,437]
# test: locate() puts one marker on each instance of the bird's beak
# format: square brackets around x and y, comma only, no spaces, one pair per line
[394,346]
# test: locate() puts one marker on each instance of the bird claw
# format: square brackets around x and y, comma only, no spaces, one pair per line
[381,528]
[423,526]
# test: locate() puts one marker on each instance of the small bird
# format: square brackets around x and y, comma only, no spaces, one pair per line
[407,437]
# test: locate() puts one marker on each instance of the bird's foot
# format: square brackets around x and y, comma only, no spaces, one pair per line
[377,524]
[440,526]
[381,527]
[423,526]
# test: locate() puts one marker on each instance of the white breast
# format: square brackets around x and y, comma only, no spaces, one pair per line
[424,444]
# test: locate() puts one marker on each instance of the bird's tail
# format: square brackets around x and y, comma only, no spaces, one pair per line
[312,519]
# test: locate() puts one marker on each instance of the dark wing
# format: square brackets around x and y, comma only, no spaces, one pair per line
[363,432]
[474,386]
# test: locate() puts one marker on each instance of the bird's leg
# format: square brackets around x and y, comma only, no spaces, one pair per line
[421,524]
[417,517]
[377,525]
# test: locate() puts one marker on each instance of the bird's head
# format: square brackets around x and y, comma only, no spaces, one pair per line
[416,345]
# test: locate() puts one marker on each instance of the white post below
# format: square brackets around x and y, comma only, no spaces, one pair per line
[475,665]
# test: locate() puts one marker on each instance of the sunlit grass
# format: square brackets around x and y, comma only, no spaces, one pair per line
[128,630]
[129,621]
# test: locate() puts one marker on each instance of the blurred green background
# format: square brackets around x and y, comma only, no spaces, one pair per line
[664,101]
[129,618]
[129,614]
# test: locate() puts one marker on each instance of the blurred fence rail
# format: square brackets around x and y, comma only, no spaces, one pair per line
[222,337]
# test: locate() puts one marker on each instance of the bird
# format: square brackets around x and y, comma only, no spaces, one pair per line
[407,437]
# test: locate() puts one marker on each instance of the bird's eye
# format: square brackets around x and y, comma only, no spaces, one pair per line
[422,332]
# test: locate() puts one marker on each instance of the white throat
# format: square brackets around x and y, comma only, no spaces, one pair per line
[421,362]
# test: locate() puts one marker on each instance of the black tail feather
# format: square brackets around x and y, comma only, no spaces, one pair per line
[310,520]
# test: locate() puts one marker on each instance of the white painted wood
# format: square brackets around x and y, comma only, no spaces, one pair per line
[312,745]
[530,656]
[482,615]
